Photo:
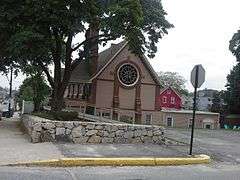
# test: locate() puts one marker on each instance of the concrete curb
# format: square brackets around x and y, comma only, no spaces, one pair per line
[118,161]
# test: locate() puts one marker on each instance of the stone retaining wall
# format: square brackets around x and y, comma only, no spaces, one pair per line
[43,130]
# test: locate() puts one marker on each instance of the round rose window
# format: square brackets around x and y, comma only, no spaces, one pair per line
[128,74]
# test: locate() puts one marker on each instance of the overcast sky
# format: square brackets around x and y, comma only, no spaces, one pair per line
[201,35]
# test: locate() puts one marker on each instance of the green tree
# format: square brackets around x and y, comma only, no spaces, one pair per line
[217,102]
[174,80]
[43,33]
[234,45]
[34,88]
[232,96]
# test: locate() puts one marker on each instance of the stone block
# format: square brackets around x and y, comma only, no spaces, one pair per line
[122,127]
[157,133]
[82,123]
[35,137]
[146,139]
[94,139]
[120,140]
[37,126]
[69,125]
[150,133]
[107,140]
[48,125]
[100,133]
[68,131]
[108,128]
[59,124]
[63,138]
[111,135]
[51,131]
[91,132]
[137,133]
[80,140]
[99,127]
[155,138]
[76,123]
[105,133]
[119,133]
[90,126]
[46,136]
[144,132]
[136,140]
[114,128]
[78,131]
[60,131]
[128,134]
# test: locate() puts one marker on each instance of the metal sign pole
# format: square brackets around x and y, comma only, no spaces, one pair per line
[10,91]
[194,109]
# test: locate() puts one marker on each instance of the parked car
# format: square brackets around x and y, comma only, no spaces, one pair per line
[4,108]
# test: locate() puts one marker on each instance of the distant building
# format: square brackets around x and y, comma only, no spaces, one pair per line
[187,102]
[169,98]
[204,99]
[183,119]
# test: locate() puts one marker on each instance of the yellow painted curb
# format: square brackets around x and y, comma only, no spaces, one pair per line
[118,161]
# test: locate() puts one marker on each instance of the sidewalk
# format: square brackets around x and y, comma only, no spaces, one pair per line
[16,147]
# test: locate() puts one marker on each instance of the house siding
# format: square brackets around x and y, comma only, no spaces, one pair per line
[104,94]
[147,96]
[177,104]
[181,120]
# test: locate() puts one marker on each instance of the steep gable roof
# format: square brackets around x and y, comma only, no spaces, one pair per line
[81,74]
[166,88]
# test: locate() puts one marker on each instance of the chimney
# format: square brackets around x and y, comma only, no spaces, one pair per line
[93,33]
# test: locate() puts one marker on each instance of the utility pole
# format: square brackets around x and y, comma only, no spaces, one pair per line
[10,91]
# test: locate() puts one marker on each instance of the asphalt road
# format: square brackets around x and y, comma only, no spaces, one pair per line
[197,172]
[222,145]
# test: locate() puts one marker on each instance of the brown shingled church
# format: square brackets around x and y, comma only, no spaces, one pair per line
[117,85]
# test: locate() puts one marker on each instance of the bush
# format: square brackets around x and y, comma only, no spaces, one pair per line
[59,116]
[65,115]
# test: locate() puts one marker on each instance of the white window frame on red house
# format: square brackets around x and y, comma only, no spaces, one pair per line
[172,100]
[164,99]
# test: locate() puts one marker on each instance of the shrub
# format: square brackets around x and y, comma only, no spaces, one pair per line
[65,115]
[59,116]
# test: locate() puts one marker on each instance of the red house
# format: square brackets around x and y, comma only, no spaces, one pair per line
[169,99]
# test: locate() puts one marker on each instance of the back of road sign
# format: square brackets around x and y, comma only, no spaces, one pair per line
[201,75]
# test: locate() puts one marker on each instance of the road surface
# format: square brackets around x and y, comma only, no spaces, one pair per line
[197,172]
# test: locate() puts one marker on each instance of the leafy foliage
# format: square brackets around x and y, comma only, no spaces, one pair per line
[234,45]
[174,80]
[59,116]
[34,89]
[43,33]
[217,102]
[232,96]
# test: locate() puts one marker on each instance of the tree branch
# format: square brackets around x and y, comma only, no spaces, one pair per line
[45,70]
[94,37]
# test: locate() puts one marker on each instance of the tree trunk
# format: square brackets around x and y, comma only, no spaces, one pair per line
[36,106]
[57,103]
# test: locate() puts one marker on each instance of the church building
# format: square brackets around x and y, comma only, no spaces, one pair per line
[118,85]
